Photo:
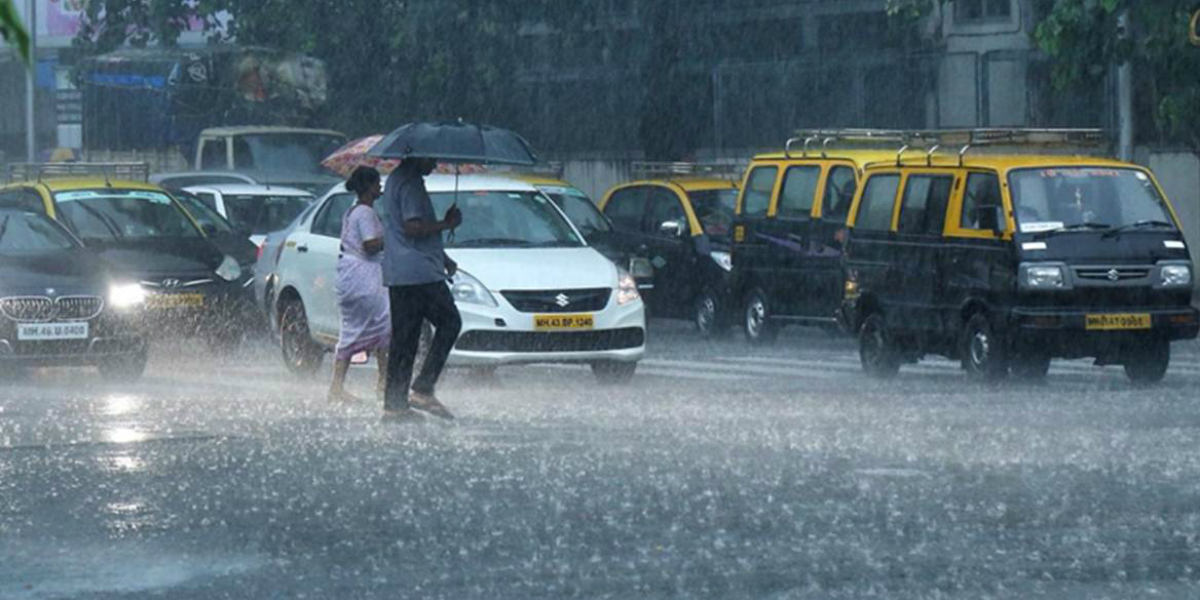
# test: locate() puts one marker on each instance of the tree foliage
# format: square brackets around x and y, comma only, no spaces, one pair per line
[13,31]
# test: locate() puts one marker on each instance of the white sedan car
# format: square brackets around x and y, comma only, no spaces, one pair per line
[529,289]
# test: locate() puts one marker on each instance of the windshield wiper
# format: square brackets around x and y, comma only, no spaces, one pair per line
[1086,226]
[1137,225]
[493,242]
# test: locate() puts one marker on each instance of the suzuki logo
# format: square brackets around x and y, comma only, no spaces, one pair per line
[1114,275]
[562,300]
[170,283]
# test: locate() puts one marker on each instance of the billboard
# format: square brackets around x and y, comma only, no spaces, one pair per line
[58,21]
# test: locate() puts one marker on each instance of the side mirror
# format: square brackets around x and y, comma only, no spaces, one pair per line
[672,228]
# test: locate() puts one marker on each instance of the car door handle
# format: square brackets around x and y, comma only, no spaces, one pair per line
[301,248]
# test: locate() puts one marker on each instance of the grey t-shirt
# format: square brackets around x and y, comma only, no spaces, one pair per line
[409,261]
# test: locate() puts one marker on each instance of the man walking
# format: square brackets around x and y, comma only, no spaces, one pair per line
[415,271]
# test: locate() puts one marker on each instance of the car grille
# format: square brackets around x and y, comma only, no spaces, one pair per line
[36,309]
[558,301]
[1111,274]
[524,341]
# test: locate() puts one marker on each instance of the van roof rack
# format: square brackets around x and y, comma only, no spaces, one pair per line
[127,171]
[671,170]
[889,138]
[934,140]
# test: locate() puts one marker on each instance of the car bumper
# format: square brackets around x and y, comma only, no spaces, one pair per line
[106,339]
[1066,333]
[202,310]
[493,336]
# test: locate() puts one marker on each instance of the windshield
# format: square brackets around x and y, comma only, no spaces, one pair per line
[264,214]
[494,219]
[284,152]
[1085,197]
[207,217]
[114,215]
[579,209]
[714,209]
[24,233]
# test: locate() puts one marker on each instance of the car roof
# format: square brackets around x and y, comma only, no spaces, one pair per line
[156,177]
[536,179]
[266,129]
[688,184]
[67,184]
[246,189]
[439,183]
[1008,162]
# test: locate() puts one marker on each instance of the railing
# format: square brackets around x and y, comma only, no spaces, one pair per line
[126,171]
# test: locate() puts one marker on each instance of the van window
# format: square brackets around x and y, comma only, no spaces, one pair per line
[840,186]
[924,208]
[879,198]
[799,191]
[758,191]
[1091,197]
[212,155]
[982,195]
[625,209]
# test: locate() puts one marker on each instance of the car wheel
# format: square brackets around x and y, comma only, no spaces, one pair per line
[301,355]
[1148,363]
[124,369]
[706,315]
[1031,367]
[614,373]
[983,352]
[756,322]
[876,350]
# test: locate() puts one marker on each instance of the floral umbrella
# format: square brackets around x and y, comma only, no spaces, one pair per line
[354,155]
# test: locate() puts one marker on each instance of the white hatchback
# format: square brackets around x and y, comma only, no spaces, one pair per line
[254,209]
[529,289]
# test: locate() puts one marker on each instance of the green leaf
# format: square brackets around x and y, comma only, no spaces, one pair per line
[14,31]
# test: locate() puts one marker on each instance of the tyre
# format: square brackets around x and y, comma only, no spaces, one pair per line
[983,350]
[614,373]
[124,369]
[876,350]
[756,319]
[706,315]
[1148,363]
[301,355]
[1030,366]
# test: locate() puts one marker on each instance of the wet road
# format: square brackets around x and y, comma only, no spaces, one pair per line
[721,472]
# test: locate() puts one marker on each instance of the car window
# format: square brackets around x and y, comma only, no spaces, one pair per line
[579,209]
[923,210]
[759,187]
[840,186]
[625,209]
[878,200]
[329,220]
[22,199]
[504,219]
[663,206]
[212,155]
[116,215]
[714,209]
[208,198]
[261,214]
[208,218]
[25,232]
[799,191]
[983,194]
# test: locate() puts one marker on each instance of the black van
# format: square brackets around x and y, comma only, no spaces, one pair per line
[1006,262]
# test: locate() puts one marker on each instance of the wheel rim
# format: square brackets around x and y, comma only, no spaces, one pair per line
[293,328]
[706,311]
[756,314]
[874,348]
[980,348]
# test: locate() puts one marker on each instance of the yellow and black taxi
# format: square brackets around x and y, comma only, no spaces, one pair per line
[790,227]
[680,218]
[193,287]
[1008,261]
[61,305]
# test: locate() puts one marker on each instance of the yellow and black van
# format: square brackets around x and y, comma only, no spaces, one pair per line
[1006,261]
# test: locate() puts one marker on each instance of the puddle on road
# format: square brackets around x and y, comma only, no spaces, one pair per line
[47,571]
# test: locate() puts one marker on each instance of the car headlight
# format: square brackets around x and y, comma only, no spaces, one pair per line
[229,269]
[627,290]
[126,296]
[1175,275]
[1045,277]
[723,259]
[468,290]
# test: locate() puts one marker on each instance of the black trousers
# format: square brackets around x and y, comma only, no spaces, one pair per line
[411,306]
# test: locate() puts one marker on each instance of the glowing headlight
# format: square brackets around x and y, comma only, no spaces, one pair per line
[468,290]
[126,296]
[229,269]
[1044,277]
[724,259]
[1175,275]
[627,290]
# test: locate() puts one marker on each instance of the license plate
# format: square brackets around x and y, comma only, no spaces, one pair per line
[1118,321]
[40,332]
[175,300]
[558,322]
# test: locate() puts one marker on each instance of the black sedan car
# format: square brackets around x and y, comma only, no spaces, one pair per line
[60,305]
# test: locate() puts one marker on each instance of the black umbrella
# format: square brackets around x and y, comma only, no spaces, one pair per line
[455,143]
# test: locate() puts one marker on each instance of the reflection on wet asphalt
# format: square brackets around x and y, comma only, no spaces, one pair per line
[721,472]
